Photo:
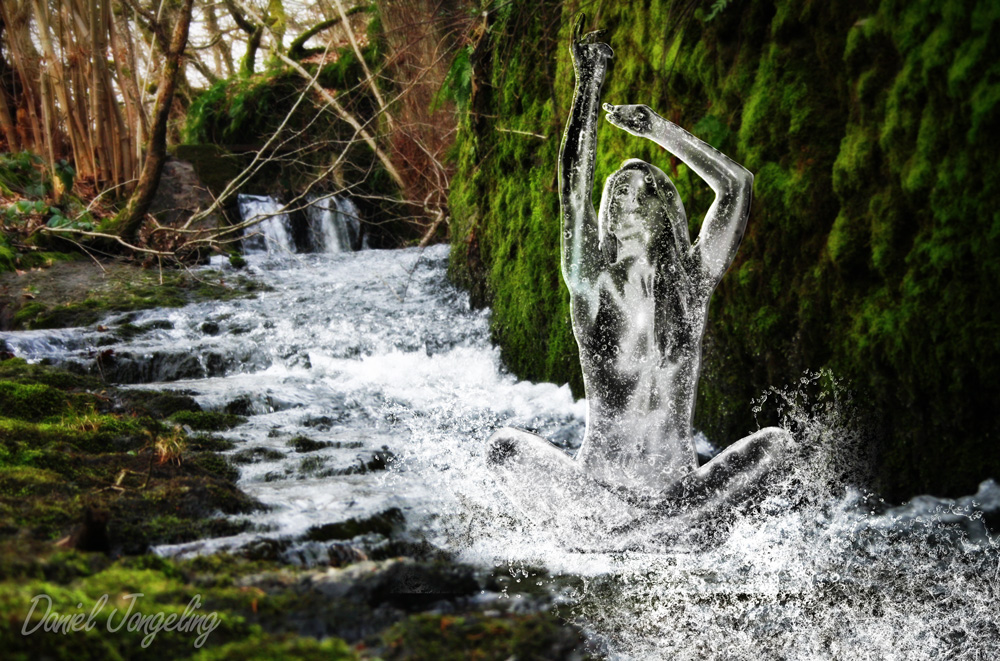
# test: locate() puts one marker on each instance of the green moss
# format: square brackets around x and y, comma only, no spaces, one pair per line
[257,610]
[216,465]
[18,370]
[208,420]
[148,586]
[305,649]
[64,450]
[209,443]
[310,466]
[305,444]
[44,259]
[30,401]
[256,455]
[474,636]
[8,256]
[161,404]
[121,289]
[236,260]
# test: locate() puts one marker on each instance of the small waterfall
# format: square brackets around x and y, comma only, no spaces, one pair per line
[329,223]
[333,223]
[273,233]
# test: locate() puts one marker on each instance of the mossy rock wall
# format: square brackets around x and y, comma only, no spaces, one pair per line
[229,125]
[873,247]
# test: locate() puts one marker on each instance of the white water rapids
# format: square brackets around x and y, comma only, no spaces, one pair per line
[375,348]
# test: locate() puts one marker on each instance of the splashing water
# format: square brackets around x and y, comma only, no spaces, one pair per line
[369,349]
[816,570]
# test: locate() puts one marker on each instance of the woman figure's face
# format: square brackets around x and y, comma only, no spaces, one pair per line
[636,211]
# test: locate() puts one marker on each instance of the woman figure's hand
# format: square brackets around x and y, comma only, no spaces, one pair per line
[636,119]
[587,48]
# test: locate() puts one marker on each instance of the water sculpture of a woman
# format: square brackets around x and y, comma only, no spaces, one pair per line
[639,293]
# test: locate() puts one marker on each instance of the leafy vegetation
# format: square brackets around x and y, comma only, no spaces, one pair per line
[26,188]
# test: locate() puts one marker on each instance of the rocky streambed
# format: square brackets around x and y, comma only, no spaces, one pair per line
[220,449]
[347,401]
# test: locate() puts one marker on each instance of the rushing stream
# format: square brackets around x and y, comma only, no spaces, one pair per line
[375,349]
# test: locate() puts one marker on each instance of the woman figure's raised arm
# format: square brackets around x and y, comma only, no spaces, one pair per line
[726,220]
[581,259]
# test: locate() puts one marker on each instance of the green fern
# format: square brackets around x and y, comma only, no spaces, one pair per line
[718,7]
[457,85]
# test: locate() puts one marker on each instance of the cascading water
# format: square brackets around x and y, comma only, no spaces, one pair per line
[330,223]
[334,224]
[376,349]
[273,231]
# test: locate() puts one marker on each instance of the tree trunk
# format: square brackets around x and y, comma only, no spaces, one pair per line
[17,21]
[253,44]
[130,220]
[7,124]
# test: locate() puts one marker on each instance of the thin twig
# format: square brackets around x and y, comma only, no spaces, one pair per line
[59,231]
[533,135]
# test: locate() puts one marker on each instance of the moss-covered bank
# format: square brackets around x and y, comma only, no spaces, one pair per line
[68,292]
[104,467]
[874,242]
[224,607]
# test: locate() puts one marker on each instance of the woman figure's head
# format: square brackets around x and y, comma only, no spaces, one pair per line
[641,214]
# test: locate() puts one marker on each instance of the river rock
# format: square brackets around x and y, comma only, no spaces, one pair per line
[180,194]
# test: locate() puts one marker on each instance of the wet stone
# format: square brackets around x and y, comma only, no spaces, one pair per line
[240,406]
[265,549]
[160,404]
[384,523]
[303,444]
[379,461]
[322,423]
[310,466]
[128,331]
[256,455]
[341,555]
[276,476]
